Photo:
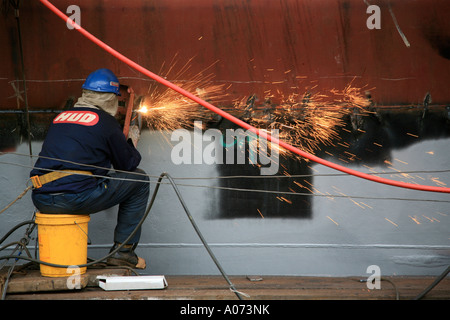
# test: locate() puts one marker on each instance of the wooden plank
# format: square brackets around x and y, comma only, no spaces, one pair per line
[270,287]
[27,281]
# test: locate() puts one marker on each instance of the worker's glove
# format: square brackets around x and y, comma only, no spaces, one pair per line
[134,134]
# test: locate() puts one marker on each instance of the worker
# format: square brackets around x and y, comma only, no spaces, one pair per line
[87,140]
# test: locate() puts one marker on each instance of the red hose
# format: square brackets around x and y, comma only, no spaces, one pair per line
[236,120]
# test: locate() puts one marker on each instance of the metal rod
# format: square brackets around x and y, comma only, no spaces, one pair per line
[16,13]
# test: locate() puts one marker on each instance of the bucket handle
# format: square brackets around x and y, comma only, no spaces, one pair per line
[89,240]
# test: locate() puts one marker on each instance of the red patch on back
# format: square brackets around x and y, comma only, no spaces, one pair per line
[85,118]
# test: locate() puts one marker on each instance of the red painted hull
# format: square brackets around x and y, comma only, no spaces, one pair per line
[251,47]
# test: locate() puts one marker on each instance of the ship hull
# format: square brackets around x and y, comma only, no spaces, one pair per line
[267,48]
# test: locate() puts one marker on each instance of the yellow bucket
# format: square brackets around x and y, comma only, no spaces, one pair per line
[62,240]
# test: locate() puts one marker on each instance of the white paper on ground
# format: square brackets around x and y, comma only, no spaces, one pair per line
[131,282]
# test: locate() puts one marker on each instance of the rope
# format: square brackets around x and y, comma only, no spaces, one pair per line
[293,193]
[235,120]
[396,172]
[14,201]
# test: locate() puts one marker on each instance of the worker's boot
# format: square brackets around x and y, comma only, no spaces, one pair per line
[126,257]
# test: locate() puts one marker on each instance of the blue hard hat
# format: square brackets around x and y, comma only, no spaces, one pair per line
[102,80]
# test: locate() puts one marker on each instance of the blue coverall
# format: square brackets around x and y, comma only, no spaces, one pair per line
[90,139]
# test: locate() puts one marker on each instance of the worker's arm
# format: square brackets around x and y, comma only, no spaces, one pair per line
[134,134]
[124,155]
